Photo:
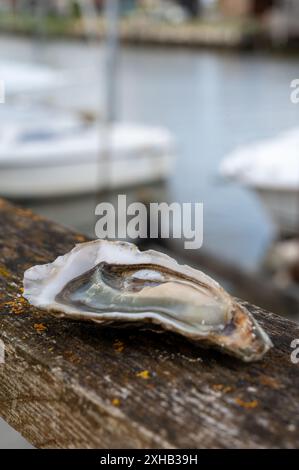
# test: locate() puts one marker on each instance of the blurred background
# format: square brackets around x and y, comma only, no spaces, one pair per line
[161,100]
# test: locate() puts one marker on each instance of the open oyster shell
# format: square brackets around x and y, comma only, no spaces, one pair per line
[107,281]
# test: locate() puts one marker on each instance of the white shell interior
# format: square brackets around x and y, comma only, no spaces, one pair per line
[42,283]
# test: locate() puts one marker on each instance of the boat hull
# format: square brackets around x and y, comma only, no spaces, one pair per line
[283,208]
[83,177]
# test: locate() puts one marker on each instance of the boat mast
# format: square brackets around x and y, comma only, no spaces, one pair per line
[110,105]
[112,52]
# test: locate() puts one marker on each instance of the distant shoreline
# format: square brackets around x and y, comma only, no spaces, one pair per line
[139,31]
[221,35]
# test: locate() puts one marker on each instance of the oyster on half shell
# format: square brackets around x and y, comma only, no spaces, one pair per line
[107,281]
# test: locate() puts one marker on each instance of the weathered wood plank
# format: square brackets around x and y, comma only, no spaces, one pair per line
[71,384]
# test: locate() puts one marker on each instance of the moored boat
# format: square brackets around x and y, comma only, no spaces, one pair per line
[47,154]
[271,169]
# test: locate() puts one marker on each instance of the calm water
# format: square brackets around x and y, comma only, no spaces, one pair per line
[212,102]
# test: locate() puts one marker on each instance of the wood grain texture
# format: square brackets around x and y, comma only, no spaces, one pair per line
[73,384]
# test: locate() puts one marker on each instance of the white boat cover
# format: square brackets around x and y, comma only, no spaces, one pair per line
[272,164]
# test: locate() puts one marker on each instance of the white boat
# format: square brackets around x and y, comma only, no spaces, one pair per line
[271,169]
[24,77]
[44,153]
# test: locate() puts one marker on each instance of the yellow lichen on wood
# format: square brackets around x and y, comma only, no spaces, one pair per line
[144,374]
[118,346]
[246,404]
[17,306]
[72,357]
[115,402]
[39,327]
[222,388]
[270,382]
[4,272]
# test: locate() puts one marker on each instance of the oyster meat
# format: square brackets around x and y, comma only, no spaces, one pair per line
[106,281]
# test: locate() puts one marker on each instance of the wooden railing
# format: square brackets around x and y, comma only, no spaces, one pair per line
[73,384]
